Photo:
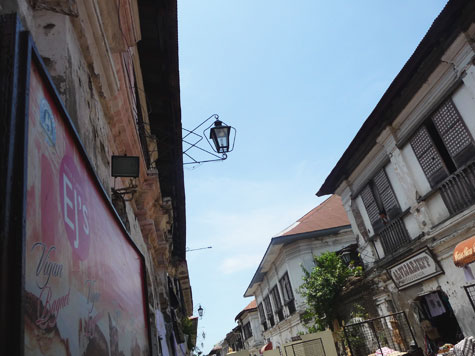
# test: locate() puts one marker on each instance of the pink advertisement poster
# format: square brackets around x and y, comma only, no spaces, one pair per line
[84,289]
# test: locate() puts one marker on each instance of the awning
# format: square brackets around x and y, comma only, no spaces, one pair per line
[464,252]
[266,347]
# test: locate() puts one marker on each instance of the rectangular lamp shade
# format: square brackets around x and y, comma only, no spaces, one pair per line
[125,166]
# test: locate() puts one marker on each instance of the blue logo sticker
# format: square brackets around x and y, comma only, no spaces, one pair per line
[47,122]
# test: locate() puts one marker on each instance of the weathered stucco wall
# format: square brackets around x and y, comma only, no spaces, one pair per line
[89,49]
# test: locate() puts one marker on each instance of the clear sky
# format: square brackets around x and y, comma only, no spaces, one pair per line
[297,79]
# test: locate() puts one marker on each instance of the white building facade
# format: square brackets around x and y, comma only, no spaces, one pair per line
[407,182]
[280,272]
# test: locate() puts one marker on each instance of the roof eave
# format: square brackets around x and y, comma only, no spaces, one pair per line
[158,51]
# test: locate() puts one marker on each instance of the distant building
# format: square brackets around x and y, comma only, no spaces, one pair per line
[248,320]
[407,181]
[274,285]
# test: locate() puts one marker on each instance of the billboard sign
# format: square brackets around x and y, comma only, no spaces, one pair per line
[82,289]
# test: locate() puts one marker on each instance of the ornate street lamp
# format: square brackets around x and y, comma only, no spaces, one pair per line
[220,136]
[200,311]
[221,140]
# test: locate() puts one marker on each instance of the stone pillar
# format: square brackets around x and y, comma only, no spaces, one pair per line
[365,247]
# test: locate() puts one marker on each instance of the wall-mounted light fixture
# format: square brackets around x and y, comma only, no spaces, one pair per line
[221,140]
[200,311]
[220,136]
[126,167]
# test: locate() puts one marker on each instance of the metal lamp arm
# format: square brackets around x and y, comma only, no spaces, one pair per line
[215,116]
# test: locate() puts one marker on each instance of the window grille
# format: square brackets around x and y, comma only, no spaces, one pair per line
[380,201]
[443,143]
[446,150]
[452,130]
[370,205]
[428,156]
[470,290]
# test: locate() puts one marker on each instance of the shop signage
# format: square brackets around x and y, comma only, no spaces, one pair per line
[414,269]
[464,252]
[82,287]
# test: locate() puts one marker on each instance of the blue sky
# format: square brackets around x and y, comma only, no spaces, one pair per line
[297,79]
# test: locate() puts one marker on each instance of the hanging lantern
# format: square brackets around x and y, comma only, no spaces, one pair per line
[220,136]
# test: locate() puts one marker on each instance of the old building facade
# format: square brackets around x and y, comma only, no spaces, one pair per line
[250,327]
[407,183]
[106,73]
[274,286]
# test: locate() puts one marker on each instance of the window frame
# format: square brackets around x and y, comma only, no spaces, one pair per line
[269,310]
[436,142]
[247,330]
[380,201]
[289,300]
[277,302]
[262,315]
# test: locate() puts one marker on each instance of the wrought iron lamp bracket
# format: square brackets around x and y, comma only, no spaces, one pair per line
[194,145]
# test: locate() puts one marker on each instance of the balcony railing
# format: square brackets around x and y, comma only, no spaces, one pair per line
[393,236]
[458,190]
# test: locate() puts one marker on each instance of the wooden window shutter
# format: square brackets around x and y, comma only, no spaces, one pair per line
[454,133]
[386,194]
[359,221]
[276,297]
[371,208]
[428,157]
[261,312]
[268,306]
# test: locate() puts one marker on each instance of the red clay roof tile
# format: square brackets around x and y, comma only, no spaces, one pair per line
[251,305]
[328,214]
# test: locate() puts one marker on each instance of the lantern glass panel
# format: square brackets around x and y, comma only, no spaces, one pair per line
[220,136]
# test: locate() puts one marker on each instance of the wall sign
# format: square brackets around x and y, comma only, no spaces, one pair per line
[464,252]
[82,290]
[414,269]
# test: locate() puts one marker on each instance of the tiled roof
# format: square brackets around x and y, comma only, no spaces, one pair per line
[328,214]
[251,305]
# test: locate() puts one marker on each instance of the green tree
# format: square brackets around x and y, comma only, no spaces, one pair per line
[321,288]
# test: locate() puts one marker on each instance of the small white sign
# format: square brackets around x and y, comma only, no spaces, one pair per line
[414,269]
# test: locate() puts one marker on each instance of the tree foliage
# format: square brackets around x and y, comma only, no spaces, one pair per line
[321,288]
